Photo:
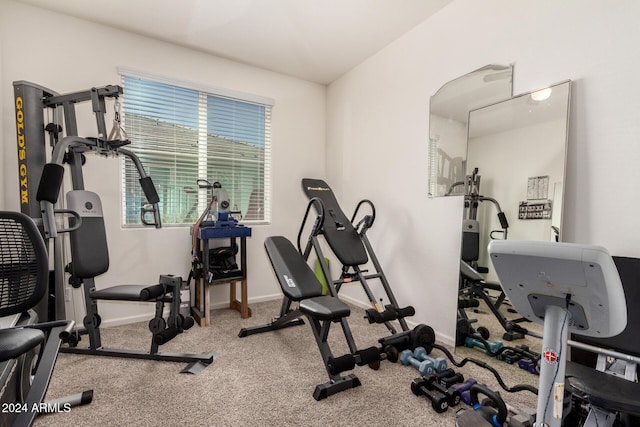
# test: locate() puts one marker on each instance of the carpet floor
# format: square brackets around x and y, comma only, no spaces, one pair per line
[261,380]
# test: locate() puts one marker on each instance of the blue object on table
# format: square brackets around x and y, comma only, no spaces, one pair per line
[219,233]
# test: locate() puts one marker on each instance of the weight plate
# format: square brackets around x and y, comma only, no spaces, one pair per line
[423,336]
[157,324]
[484,332]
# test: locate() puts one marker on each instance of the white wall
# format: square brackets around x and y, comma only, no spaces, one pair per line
[376,132]
[67,55]
[378,128]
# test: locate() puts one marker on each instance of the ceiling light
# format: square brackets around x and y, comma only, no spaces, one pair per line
[541,95]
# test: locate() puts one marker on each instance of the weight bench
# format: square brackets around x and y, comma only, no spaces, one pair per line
[349,242]
[567,287]
[90,258]
[300,285]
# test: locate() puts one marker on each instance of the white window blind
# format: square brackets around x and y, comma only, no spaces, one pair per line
[182,134]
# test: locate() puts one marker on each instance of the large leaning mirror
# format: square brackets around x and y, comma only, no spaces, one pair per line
[518,149]
[448,119]
[514,189]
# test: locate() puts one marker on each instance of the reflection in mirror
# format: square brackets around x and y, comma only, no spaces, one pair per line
[514,188]
[518,147]
[448,118]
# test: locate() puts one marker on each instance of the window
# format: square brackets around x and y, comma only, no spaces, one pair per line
[182,134]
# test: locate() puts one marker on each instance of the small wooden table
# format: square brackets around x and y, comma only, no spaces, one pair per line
[201,311]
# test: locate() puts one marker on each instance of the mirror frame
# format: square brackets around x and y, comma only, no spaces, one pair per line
[520,113]
[451,105]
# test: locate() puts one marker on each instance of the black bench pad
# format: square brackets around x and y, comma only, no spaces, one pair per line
[122,293]
[343,238]
[604,390]
[296,279]
[325,308]
[299,283]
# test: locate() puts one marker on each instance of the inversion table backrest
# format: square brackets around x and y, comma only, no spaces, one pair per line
[342,237]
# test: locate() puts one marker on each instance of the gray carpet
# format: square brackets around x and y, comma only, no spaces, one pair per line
[261,380]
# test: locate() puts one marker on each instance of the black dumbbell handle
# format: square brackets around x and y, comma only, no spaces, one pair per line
[449,381]
[446,373]
[453,396]
[438,400]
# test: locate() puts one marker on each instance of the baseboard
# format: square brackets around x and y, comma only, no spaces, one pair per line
[145,317]
[354,301]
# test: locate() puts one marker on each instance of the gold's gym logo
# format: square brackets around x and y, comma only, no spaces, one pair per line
[22,152]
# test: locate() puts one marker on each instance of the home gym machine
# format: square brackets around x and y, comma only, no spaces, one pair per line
[89,253]
[349,242]
[473,287]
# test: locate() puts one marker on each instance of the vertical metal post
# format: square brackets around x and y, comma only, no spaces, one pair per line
[552,367]
[30,143]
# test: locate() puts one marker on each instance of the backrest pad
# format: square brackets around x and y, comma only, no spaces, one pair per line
[342,237]
[89,251]
[296,278]
[24,264]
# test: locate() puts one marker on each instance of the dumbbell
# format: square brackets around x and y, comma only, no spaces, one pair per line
[509,356]
[528,365]
[529,353]
[448,377]
[451,380]
[453,396]
[439,364]
[389,353]
[494,346]
[439,401]
[424,367]
[464,389]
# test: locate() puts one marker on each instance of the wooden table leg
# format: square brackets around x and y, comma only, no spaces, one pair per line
[246,311]
[232,296]
[197,305]
[241,306]
[207,314]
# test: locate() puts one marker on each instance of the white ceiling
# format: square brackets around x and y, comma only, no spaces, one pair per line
[316,40]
